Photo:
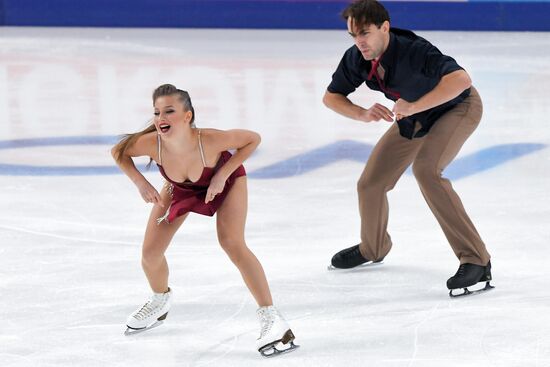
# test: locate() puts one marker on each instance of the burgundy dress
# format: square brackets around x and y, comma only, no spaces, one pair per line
[188,196]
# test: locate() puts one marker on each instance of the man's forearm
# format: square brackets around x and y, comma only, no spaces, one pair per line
[450,86]
[342,105]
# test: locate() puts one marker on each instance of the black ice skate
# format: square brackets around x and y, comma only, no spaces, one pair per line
[468,275]
[350,258]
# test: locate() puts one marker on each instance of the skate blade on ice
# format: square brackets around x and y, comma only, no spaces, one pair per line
[467,292]
[368,264]
[129,331]
[283,346]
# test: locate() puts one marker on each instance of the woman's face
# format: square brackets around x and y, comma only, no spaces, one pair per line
[170,114]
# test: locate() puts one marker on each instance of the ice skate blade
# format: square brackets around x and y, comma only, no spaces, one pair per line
[468,292]
[270,350]
[368,264]
[129,331]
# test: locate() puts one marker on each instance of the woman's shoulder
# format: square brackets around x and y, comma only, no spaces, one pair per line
[221,133]
[214,138]
[212,135]
[149,139]
[146,144]
[210,131]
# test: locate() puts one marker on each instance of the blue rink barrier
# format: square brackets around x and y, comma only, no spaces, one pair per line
[274,14]
[297,165]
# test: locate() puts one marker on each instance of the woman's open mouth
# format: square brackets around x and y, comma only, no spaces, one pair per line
[164,127]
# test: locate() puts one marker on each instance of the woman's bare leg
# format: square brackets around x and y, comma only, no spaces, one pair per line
[156,241]
[231,219]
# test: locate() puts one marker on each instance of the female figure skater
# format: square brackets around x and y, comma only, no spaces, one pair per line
[202,176]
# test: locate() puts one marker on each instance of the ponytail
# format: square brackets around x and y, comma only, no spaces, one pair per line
[128,140]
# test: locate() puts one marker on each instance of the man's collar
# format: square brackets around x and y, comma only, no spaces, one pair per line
[388,55]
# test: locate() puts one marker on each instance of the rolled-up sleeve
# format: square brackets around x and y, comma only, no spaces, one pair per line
[436,64]
[347,76]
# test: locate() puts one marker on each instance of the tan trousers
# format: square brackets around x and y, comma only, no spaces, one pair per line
[429,156]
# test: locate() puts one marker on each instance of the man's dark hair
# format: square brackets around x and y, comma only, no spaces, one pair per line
[366,12]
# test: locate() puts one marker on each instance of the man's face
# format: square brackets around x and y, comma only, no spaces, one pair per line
[369,39]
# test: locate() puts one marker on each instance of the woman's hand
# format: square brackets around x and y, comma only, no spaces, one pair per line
[216,186]
[149,193]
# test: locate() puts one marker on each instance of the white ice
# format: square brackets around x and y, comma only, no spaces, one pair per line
[70,245]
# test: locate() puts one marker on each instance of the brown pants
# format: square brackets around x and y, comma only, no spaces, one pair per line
[429,156]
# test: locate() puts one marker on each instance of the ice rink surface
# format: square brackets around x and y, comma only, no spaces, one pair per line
[71,225]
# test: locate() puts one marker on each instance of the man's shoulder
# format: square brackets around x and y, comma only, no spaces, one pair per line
[352,57]
[410,41]
[403,33]
[406,37]
[352,53]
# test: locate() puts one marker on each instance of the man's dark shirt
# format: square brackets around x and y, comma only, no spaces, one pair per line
[413,67]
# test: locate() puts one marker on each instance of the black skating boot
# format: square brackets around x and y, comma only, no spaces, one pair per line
[468,275]
[348,258]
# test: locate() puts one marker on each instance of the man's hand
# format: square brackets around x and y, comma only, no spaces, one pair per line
[375,113]
[403,108]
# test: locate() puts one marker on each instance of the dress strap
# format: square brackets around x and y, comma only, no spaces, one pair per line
[158,144]
[201,150]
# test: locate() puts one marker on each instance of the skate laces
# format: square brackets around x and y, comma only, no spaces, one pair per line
[149,307]
[145,310]
[352,252]
[461,270]
[267,319]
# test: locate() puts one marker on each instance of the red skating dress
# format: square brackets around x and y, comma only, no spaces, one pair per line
[188,196]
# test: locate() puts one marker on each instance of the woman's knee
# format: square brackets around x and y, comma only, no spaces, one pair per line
[233,246]
[151,255]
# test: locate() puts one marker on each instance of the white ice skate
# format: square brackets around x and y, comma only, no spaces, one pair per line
[150,315]
[275,334]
